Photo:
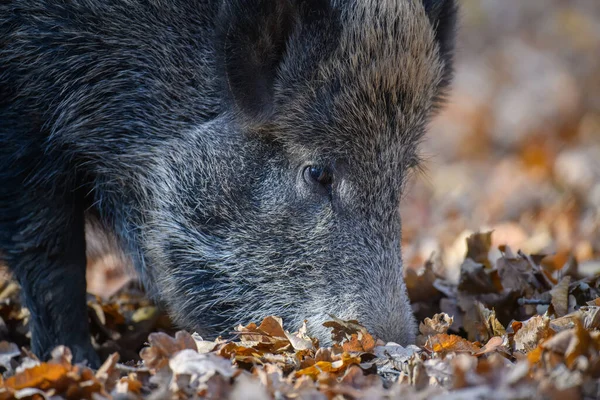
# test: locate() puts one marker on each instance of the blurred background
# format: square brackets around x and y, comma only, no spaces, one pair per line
[517,149]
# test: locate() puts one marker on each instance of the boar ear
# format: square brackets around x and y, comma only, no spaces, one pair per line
[443,15]
[251,44]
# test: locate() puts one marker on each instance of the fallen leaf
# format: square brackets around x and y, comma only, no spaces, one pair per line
[163,346]
[517,274]
[43,376]
[475,278]
[337,367]
[359,342]
[444,344]
[420,284]
[531,332]
[560,296]
[492,326]
[595,302]
[478,248]
[588,315]
[440,323]
[343,329]
[492,345]
[8,351]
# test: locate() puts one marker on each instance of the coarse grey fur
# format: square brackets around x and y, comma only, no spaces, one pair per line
[184,129]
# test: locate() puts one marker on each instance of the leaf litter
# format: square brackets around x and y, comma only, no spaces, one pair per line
[515,332]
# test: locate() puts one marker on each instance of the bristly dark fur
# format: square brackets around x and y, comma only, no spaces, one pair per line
[182,129]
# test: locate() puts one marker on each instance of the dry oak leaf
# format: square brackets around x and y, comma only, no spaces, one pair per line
[343,329]
[475,278]
[492,326]
[162,347]
[588,315]
[572,343]
[43,376]
[444,344]
[240,353]
[419,284]
[253,356]
[206,346]
[440,323]
[337,367]
[108,314]
[359,342]
[71,382]
[301,341]
[531,332]
[463,365]
[270,326]
[517,274]
[269,336]
[560,296]
[492,345]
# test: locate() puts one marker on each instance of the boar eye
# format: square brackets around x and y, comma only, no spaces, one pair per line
[318,174]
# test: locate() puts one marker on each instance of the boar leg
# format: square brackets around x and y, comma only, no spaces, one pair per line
[47,257]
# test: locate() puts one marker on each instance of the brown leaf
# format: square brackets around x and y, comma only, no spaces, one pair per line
[337,367]
[43,376]
[533,330]
[268,337]
[492,326]
[163,346]
[478,248]
[440,323]
[9,290]
[572,343]
[595,302]
[517,274]
[206,346]
[581,344]
[300,341]
[238,352]
[141,314]
[515,326]
[589,316]
[535,355]
[203,366]
[343,329]
[272,326]
[560,296]
[492,345]
[444,343]
[107,374]
[419,284]
[61,355]
[463,366]
[359,342]
[475,278]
